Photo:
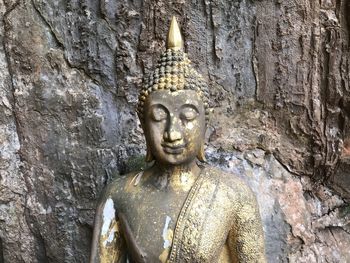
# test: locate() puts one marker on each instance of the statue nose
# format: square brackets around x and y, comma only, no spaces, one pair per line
[173,133]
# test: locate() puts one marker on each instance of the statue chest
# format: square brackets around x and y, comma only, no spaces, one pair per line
[201,227]
[152,216]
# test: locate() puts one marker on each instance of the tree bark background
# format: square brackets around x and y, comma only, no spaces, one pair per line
[70,76]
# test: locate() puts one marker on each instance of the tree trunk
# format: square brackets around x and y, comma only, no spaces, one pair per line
[70,76]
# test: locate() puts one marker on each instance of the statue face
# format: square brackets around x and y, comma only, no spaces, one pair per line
[174,125]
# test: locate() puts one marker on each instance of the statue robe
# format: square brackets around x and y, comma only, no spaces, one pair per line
[220,211]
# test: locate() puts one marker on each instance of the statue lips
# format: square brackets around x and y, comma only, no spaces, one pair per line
[173,148]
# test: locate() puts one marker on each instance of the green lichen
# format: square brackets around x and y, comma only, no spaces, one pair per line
[135,163]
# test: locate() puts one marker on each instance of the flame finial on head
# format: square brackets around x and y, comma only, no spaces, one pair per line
[174,40]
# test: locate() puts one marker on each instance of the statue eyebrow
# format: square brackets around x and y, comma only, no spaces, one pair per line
[158,105]
[189,105]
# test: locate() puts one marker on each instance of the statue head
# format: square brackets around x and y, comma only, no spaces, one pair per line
[173,106]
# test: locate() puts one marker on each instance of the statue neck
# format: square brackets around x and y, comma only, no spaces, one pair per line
[177,177]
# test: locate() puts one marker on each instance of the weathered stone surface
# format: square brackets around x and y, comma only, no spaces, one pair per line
[69,78]
[340,180]
[15,234]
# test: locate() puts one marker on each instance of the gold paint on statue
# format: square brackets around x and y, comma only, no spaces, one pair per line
[176,211]
[174,40]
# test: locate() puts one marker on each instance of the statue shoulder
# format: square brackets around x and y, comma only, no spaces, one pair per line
[233,183]
[117,185]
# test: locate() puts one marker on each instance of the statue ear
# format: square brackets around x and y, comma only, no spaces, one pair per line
[149,155]
[201,154]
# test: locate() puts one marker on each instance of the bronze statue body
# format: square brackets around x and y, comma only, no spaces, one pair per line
[176,210]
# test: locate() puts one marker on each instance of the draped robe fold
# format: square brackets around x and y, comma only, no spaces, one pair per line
[198,238]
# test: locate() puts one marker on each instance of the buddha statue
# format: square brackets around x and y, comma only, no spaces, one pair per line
[179,209]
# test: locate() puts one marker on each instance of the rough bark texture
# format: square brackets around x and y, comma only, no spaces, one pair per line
[70,72]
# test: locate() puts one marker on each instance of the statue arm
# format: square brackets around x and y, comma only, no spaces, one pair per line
[107,242]
[246,238]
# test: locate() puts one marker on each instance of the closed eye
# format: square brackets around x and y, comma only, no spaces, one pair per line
[189,112]
[158,113]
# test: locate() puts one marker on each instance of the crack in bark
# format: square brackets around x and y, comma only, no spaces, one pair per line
[213,29]
[254,58]
[103,18]
[337,227]
[58,41]
[82,71]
